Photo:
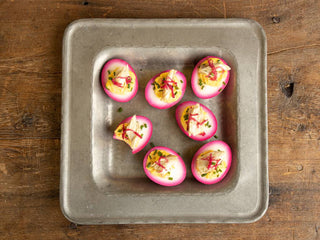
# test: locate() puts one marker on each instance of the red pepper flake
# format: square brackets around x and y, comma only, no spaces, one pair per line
[128,80]
[213,75]
[169,84]
[211,162]
[159,163]
[191,117]
[125,129]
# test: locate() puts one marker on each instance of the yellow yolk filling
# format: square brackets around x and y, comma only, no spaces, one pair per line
[185,117]
[154,157]
[116,89]
[159,89]
[204,79]
[210,173]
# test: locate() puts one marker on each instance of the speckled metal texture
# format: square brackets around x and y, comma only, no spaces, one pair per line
[101,181]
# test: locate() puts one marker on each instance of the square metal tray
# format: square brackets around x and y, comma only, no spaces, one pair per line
[101,181]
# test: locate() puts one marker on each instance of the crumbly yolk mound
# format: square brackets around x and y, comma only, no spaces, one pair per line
[167,91]
[199,124]
[211,164]
[160,163]
[130,132]
[127,88]
[205,72]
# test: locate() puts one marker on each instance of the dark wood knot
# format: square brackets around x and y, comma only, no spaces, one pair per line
[275,19]
[287,88]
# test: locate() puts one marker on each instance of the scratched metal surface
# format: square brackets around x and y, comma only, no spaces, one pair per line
[101,181]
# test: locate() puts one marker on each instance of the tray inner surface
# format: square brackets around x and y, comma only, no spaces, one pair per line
[115,169]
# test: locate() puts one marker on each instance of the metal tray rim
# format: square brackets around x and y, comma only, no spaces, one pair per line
[64,181]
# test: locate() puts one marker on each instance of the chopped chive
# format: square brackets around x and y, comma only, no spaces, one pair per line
[119,130]
[161,90]
[107,88]
[109,72]
[218,61]
[141,127]
[149,164]
[163,79]
[142,135]
[220,89]
[155,152]
[114,73]
[154,88]
[213,163]
[219,150]
[157,84]
[145,125]
[186,116]
[176,87]
[151,144]
[175,93]
[110,78]
[128,85]
[170,178]
[218,175]
[150,156]
[152,84]
[204,174]
[202,87]
[120,109]
[181,81]
[160,154]
[224,83]
[215,136]
[220,170]
[209,126]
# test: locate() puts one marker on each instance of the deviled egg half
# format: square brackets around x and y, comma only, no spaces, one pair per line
[209,77]
[165,89]
[211,162]
[196,120]
[164,166]
[119,81]
[136,131]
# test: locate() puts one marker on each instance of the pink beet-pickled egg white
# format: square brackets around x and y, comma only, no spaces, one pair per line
[164,166]
[196,120]
[119,80]
[136,131]
[165,89]
[211,162]
[209,77]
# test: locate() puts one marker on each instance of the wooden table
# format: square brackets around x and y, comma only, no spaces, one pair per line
[30,99]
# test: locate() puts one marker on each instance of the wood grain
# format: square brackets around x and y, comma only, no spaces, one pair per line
[30,102]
